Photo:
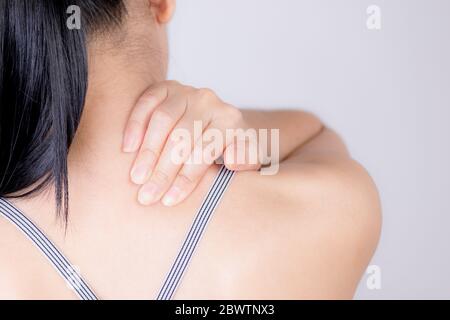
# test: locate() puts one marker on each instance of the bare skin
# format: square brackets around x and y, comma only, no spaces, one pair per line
[307,232]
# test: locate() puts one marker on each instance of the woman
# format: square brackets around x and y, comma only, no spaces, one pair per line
[86,122]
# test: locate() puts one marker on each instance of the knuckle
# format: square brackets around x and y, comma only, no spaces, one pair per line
[160,177]
[150,153]
[232,114]
[148,95]
[135,123]
[206,94]
[185,180]
[154,90]
[162,115]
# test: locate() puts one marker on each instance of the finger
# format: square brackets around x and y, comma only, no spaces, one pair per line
[140,116]
[162,122]
[175,153]
[242,155]
[206,151]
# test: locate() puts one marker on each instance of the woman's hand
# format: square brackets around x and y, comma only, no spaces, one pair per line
[163,114]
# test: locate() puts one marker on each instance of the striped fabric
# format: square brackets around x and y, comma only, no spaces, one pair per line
[62,265]
[174,277]
[197,229]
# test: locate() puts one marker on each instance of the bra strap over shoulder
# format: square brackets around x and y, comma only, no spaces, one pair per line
[71,275]
[197,229]
[56,258]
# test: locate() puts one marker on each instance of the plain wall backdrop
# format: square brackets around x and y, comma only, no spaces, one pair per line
[387,92]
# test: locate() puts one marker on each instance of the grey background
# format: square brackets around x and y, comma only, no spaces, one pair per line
[386,92]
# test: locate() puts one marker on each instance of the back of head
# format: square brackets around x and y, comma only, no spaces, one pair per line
[43,84]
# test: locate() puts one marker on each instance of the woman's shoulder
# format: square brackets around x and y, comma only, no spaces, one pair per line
[306,232]
[18,267]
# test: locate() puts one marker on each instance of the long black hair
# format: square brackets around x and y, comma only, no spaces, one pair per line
[43,84]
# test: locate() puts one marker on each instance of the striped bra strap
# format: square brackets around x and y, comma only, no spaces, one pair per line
[174,277]
[197,229]
[57,259]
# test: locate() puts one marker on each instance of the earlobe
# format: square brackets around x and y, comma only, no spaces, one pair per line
[164,10]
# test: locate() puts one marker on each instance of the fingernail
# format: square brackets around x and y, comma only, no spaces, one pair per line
[129,143]
[171,197]
[139,173]
[148,194]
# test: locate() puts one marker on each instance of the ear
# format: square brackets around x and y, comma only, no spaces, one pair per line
[163,10]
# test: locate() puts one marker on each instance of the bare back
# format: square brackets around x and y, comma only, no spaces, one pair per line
[267,239]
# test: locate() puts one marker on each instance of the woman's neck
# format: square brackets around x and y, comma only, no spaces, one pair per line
[115,84]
